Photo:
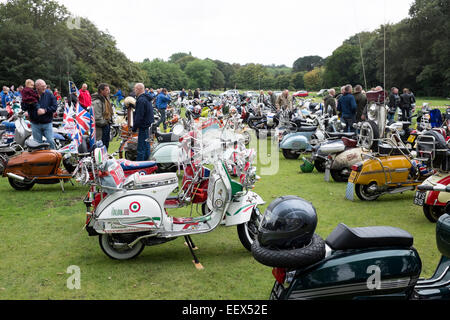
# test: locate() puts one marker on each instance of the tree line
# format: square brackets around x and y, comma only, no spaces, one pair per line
[37,41]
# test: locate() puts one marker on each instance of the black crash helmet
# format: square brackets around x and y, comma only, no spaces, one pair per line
[289,222]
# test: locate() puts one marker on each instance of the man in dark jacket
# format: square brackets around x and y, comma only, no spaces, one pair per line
[394,104]
[42,118]
[143,119]
[361,102]
[162,101]
[406,101]
[347,107]
[330,103]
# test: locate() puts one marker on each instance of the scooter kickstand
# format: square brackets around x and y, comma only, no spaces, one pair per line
[62,185]
[196,262]
[191,243]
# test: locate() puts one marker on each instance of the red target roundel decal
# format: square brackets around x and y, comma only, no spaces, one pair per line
[135,207]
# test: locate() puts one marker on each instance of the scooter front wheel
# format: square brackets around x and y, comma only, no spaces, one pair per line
[116,246]
[248,231]
[433,213]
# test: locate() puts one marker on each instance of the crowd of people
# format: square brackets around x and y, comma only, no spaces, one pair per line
[40,103]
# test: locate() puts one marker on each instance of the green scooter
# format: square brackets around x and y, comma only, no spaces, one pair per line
[353,263]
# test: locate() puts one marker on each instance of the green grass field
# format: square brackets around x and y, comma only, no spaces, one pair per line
[42,235]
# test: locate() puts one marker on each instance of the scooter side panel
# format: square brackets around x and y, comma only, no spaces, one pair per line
[434,198]
[167,153]
[390,170]
[347,159]
[129,213]
[296,141]
[35,164]
[359,275]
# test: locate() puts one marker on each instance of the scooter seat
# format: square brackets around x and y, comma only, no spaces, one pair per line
[345,238]
[349,135]
[307,129]
[137,165]
[165,137]
[155,180]
[33,145]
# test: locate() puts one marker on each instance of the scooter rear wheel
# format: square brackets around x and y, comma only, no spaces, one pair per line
[20,186]
[339,176]
[107,244]
[363,193]
[320,165]
[290,154]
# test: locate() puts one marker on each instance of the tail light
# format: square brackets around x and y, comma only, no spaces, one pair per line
[279,274]
[357,167]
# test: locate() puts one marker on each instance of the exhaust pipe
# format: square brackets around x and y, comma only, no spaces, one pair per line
[16,177]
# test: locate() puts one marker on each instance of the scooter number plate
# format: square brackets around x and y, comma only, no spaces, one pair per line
[419,199]
[352,177]
[411,139]
[276,291]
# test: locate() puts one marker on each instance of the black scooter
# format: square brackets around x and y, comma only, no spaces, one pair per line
[359,264]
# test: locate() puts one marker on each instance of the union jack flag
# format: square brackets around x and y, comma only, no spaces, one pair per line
[77,139]
[83,120]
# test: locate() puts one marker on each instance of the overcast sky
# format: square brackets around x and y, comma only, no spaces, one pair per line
[244,31]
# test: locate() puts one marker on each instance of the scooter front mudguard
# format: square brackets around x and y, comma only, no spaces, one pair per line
[296,141]
[167,153]
[241,209]
[389,273]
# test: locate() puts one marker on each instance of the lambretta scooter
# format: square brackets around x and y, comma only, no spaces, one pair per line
[392,169]
[38,165]
[133,213]
[356,264]
[433,150]
[337,156]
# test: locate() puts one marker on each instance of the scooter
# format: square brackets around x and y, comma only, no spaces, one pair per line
[433,150]
[392,170]
[296,138]
[132,216]
[340,158]
[336,155]
[359,264]
[38,165]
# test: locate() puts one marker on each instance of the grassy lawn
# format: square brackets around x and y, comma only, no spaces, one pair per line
[42,236]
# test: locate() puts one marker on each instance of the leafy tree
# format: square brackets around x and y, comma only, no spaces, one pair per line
[341,66]
[200,73]
[177,56]
[307,63]
[297,81]
[314,79]
[161,74]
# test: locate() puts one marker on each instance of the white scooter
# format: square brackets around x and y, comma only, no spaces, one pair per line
[131,215]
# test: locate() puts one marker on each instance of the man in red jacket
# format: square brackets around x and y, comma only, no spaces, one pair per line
[84,98]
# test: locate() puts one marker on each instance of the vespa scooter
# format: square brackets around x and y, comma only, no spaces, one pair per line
[133,215]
